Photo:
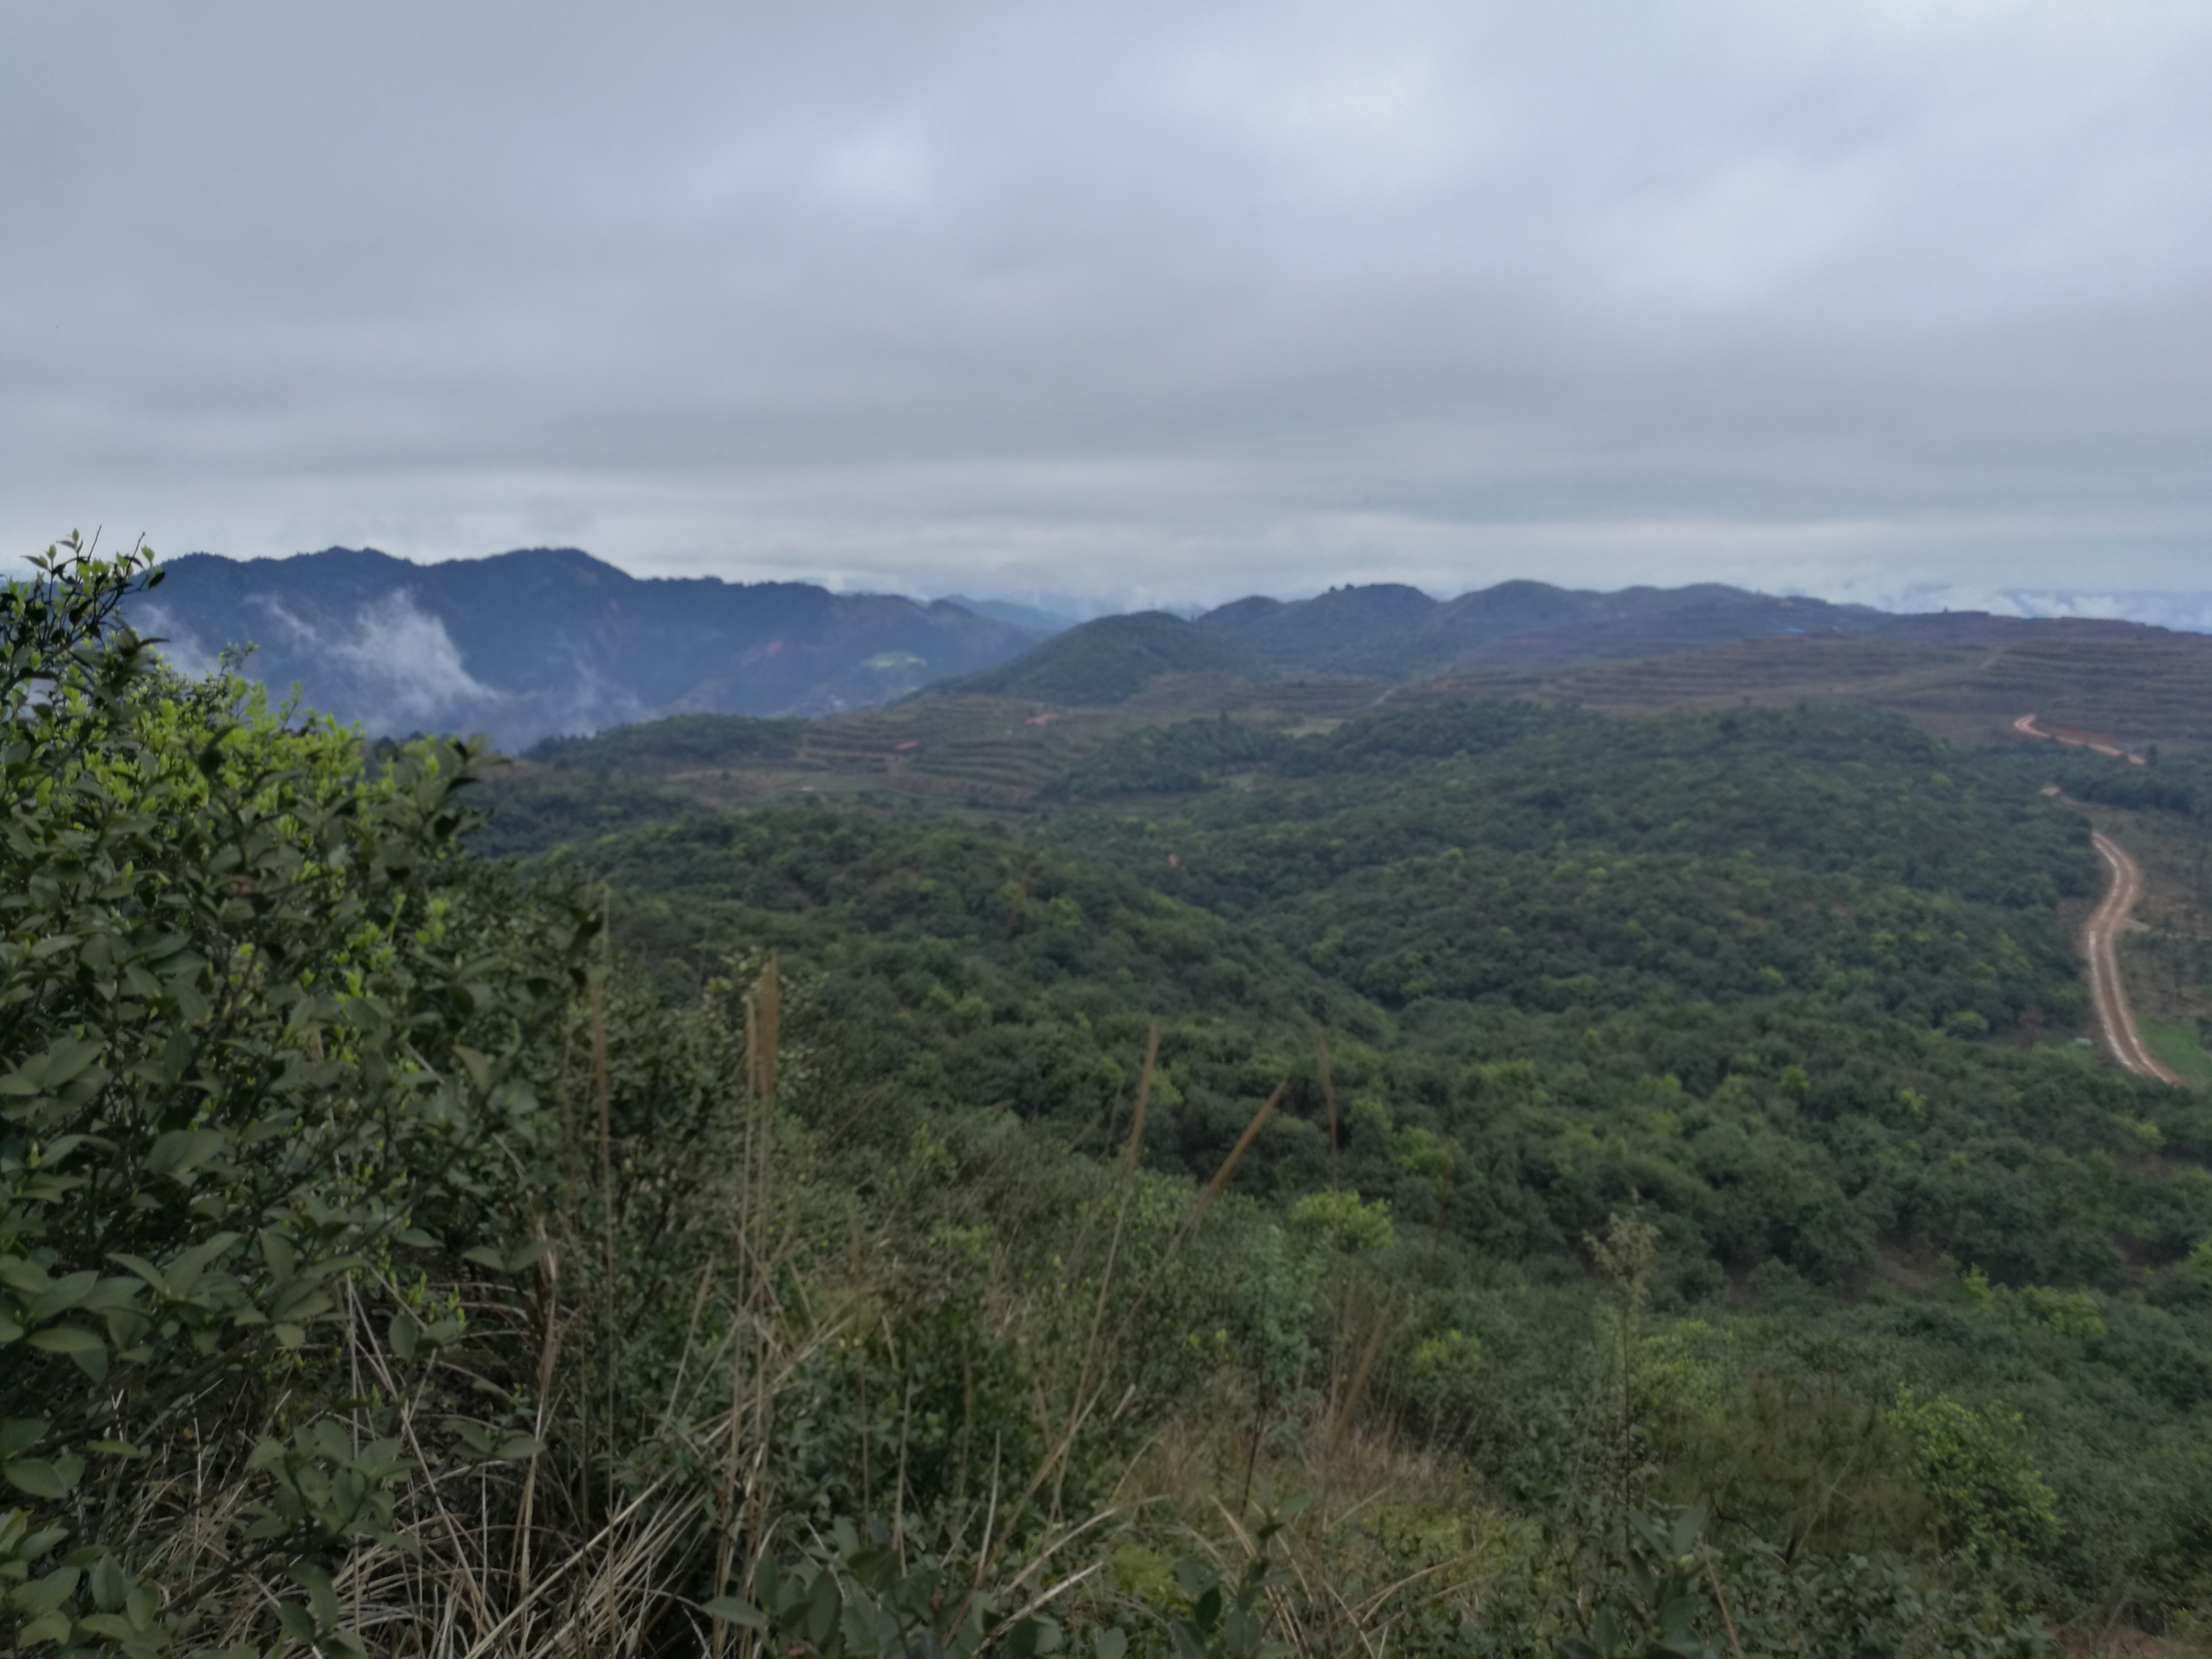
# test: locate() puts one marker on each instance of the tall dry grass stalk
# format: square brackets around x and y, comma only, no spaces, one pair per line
[1220,1184]
[486,1567]
[574,1545]
[1361,1532]
[1086,1399]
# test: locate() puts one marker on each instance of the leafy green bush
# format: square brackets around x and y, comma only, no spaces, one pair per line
[253,1030]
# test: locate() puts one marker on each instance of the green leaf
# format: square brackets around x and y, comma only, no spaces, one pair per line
[61,1296]
[1206,1611]
[478,1068]
[22,1277]
[66,1339]
[61,1063]
[179,1152]
[823,1607]
[735,1610]
[145,1270]
[47,1627]
[47,1594]
[37,1477]
[856,1626]
[317,1582]
[107,1584]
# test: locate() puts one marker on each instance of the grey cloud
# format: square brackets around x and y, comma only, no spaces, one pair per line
[2189,612]
[393,657]
[392,667]
[1151,301]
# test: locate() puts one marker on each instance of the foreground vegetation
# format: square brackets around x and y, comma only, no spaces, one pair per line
[1487,1180]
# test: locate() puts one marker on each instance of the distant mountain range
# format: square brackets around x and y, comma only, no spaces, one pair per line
[548,641]
[1397,633]
[1022,616]
[1387,632]
[551,640]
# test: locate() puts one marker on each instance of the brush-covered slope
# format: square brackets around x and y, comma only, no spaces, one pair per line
[1396,632]
[1792,988]
[552,639]
[1113,658]
[1966,675]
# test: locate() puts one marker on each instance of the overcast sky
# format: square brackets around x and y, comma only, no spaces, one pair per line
[1147,302]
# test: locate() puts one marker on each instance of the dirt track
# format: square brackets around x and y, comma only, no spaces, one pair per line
[2107,990]
[2028,727]
[2100,934]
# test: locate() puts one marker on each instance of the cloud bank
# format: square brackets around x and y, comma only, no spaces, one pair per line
[1139,303]
[388,656]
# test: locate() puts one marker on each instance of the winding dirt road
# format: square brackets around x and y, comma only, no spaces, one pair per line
[2107,990]
[2100,934]
[2028,727]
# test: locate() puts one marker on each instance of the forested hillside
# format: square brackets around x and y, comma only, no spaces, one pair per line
[549,641]
[1110,661]
[1794,989]
[1477,1179]
[1396,631]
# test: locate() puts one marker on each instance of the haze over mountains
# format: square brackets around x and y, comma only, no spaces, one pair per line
[549,640]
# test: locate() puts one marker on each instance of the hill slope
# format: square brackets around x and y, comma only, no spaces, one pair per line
[1113,658]
[1966,676]
[1397,632]
[1793,988]
[552,639]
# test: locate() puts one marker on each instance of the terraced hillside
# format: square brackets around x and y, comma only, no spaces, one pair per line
[966,754]
[1966,676]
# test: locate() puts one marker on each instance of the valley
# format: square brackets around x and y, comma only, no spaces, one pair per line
[1029,1172]
[1766,927]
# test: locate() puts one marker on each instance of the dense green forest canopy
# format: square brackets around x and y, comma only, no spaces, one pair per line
[677,743]
[1111,659]
[1485,1178]
[1794,986]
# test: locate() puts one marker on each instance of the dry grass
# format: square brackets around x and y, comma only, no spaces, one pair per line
[1360,1526]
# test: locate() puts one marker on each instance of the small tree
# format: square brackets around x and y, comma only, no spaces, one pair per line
[246,1034]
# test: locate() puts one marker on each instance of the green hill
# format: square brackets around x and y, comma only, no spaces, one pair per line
[1111,659]
[1792,988]
[1469,1178]
[1394,632]
[680,742]
[1370,630]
